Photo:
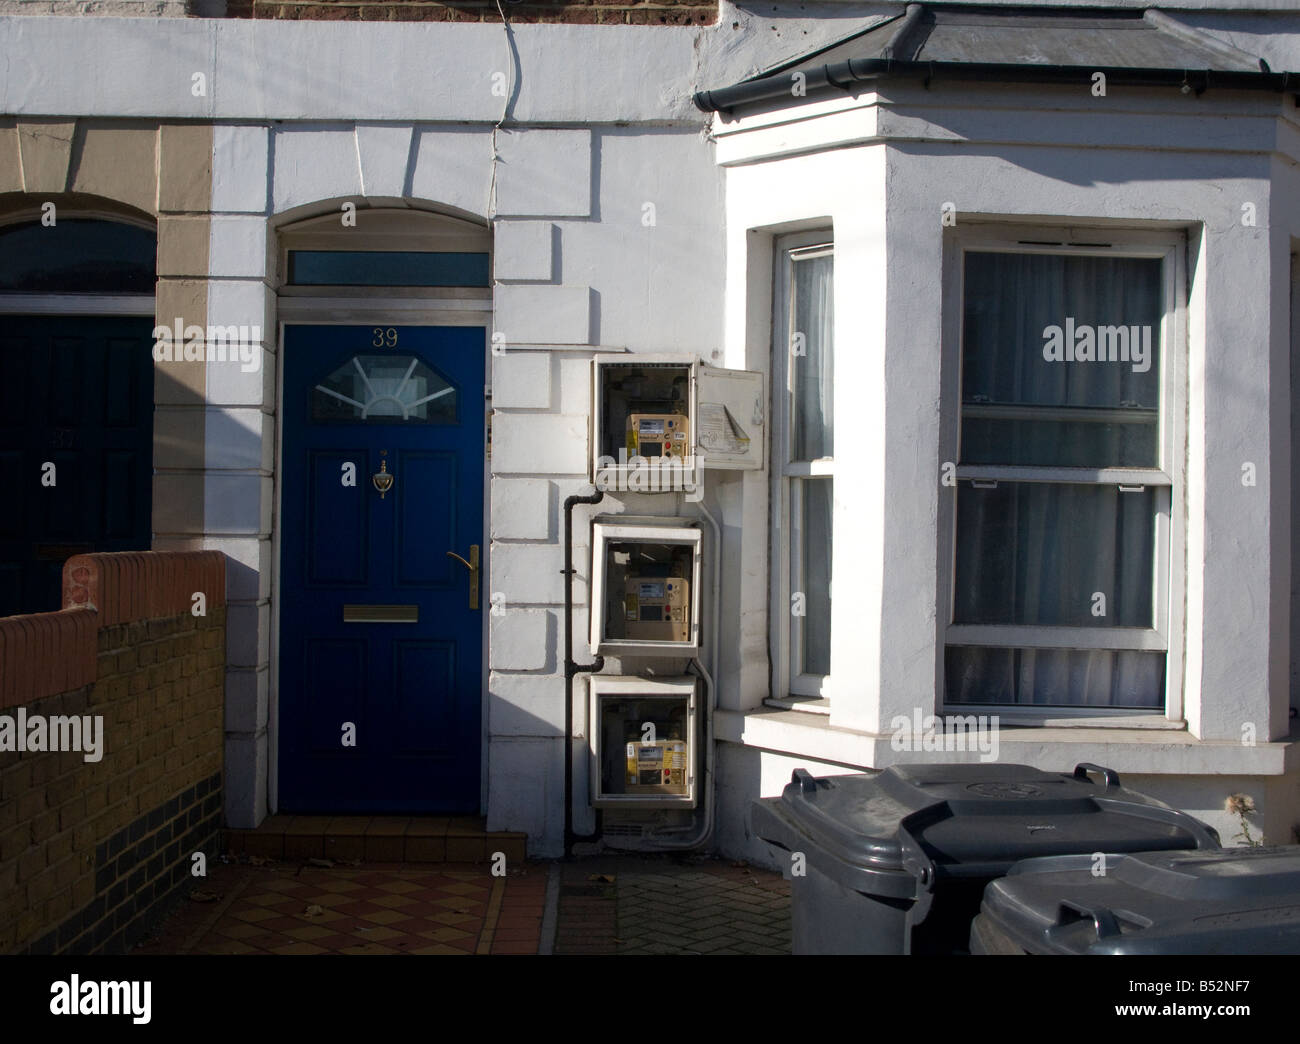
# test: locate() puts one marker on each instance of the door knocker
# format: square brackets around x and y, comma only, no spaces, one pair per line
[382,479]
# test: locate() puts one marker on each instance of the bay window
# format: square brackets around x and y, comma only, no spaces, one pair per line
[1064,422]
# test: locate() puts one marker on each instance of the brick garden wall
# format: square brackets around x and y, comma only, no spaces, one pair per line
[92,851]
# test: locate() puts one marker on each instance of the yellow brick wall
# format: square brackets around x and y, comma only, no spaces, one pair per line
[73,832]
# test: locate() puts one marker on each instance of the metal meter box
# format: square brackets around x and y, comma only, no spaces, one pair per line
[643,745]
[674,415]
[645,587]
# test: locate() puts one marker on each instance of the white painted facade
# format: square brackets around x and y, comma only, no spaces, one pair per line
[878,169]
[598,123]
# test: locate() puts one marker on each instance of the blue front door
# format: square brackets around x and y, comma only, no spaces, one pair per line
[380,647]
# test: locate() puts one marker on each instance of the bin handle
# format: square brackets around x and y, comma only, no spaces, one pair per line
[1109,776]
[807,783]
[1203,835]
[1104,922]
[922,869]
[917,863]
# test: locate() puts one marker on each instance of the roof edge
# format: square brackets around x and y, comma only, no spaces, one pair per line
[909,31]
[1194,37]
[846,75]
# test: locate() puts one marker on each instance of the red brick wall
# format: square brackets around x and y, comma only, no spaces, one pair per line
[91,850]
[588,12]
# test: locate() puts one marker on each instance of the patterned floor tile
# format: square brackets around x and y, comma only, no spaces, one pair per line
[309,933]
[641,904]
[384,916]
[254,915]
[394,902]
[300,948]
[398,887]
[445,935]
[378,934]
[448,917]
[241,930]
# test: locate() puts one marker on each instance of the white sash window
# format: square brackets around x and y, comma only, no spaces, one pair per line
[1065,514]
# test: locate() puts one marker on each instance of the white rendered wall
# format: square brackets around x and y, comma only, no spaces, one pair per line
[633,223]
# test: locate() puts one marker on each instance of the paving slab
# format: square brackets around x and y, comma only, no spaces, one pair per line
[662,904]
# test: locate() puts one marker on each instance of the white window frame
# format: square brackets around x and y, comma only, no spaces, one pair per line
[1167,634]
[788,676]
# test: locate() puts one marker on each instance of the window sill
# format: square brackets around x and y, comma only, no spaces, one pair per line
[804,704]
[1055,718]
[1131,749]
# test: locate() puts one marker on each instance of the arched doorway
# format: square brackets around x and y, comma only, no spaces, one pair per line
[76,400]
[381,510]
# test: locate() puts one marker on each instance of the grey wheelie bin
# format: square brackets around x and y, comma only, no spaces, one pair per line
[896,862]
[1235,900]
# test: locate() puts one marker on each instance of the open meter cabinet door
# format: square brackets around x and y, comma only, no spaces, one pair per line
[656,410]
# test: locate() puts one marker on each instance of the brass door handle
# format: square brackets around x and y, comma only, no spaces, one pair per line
[472,566]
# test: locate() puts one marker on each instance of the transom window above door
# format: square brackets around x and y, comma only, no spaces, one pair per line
[77,255]
[384,389]
[387,268]
[388,252]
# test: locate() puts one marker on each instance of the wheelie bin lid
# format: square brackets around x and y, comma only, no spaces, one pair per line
[1234,900]
[893,833]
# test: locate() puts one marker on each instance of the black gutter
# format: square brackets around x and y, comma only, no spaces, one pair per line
[572,669]
[846,75]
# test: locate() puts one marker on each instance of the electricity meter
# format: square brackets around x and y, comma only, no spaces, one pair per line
[645,588]
[643,741]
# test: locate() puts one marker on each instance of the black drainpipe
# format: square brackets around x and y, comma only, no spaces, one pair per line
[572,670]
